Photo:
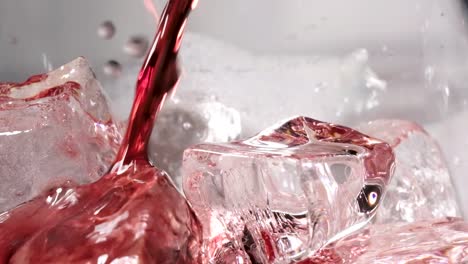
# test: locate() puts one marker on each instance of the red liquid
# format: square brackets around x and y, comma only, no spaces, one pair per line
[134,214]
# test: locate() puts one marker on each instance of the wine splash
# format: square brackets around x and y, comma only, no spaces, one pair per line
[134,214]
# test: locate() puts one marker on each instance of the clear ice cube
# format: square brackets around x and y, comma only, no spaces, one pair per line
[432,241]
[453,142]
[421,187]
[286,192]
[54,127]
[186,122]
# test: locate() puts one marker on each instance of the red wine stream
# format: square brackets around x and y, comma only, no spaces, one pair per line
[133,214]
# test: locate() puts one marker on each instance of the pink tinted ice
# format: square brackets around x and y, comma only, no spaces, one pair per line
[421,188]
[431,241]
[281,195]
[54,128]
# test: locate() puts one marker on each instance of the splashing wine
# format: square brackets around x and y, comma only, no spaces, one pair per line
[133,214]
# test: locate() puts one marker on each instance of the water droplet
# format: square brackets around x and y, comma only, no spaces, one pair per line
[187,125]
[136,46]
[112,68]
[106,30]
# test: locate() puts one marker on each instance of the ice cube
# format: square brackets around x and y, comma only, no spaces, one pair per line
[450,134]
[286,192]
[303,77]
[421,187]
[185,122]
[53,128]
[431,241]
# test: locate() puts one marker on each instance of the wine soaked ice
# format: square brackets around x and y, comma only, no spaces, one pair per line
[134,214]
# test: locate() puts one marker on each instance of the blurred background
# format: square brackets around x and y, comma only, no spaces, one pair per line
[340,61]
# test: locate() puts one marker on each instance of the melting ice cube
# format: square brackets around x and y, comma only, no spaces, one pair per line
[286,192]
[54,128]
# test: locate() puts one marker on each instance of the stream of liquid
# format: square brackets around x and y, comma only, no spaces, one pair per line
[134,214]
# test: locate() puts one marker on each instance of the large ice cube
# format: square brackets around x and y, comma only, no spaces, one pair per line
[53,128]
[303,78]
[286,192]
[421,188]
[431,241]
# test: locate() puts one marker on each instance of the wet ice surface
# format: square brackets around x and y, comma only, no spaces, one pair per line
[341,89]
[432,241]
[239,94]
[220,114]
[57,128]
[421,188]
[454,144]
[134,216]
[136,46]
[286,192]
